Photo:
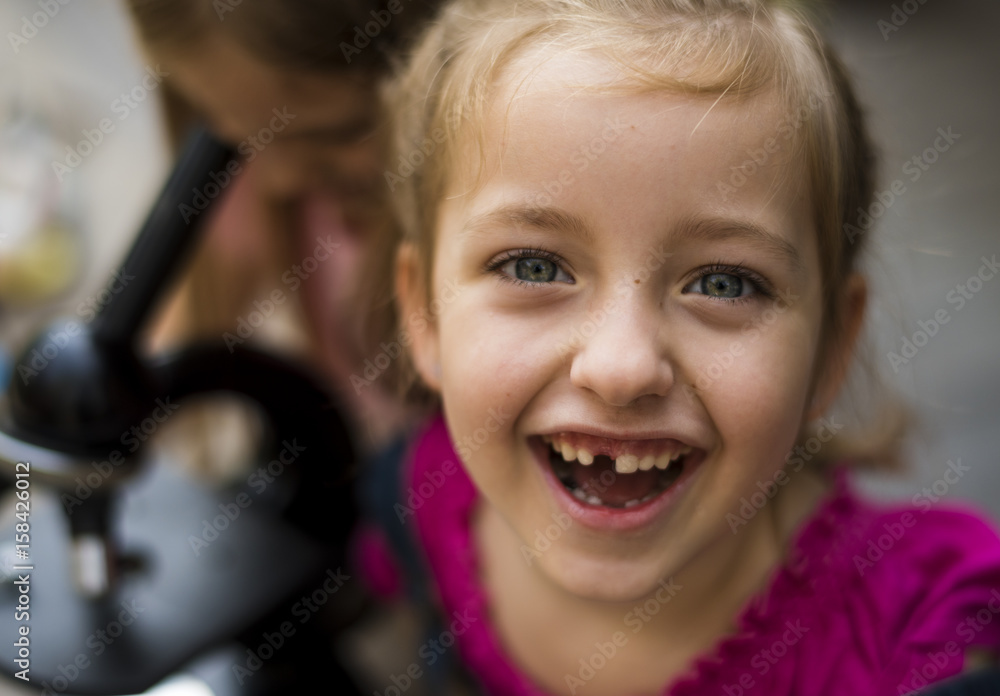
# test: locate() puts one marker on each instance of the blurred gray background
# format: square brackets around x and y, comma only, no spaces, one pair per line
[939,69]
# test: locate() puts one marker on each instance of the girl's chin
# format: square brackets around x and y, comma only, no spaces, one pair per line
[601,579]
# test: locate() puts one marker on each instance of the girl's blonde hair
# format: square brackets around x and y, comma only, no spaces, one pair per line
[732,49]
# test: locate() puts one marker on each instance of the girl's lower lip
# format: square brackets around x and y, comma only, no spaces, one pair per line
[607,519]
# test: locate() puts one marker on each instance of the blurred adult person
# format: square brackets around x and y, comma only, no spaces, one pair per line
[293,85]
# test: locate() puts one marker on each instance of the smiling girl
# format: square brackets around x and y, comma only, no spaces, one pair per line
[637,211]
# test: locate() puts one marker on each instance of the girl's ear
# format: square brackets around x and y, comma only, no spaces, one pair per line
[411,296]
[843,344]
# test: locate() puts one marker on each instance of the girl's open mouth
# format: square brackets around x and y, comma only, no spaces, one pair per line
[601,483]
[617,477]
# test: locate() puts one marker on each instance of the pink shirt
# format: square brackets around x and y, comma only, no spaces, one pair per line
[871,601]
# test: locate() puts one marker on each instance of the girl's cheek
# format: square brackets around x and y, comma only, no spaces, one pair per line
[490,363]
[483,339]
[753,388]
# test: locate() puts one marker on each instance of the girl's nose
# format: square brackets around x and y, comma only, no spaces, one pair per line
[624,359]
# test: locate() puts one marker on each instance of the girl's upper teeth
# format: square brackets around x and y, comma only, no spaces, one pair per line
[624,464]
[627,464]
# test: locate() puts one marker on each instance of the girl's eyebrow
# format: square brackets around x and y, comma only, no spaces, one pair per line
[531,216]
[716,229]
[705,229]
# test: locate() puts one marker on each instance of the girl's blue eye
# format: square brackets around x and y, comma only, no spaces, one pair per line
[724,285]
[535,270]
[728,283]
[530,267]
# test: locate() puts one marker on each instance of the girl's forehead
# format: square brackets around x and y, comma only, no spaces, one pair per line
[544,71]
[580,104]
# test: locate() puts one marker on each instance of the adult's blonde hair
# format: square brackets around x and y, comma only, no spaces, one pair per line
[726,49]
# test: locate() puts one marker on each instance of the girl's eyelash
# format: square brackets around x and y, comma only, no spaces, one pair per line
[495,264]
[762,286]
[512,254]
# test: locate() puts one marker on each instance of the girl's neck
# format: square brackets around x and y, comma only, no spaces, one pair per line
[547,630]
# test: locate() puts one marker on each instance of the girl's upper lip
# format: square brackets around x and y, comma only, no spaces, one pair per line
[620,436]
